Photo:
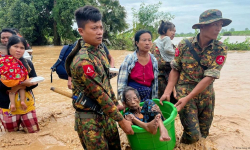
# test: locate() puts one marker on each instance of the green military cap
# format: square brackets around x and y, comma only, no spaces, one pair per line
[210,16]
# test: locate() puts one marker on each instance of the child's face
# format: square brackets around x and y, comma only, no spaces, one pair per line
[132,101]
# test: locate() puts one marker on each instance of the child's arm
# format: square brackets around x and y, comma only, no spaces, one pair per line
[168,47]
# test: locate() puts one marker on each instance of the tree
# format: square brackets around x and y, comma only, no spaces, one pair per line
[232,30]
[38,20]
[149,17]
[246,29]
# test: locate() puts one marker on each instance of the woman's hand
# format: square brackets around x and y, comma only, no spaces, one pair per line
[27,83]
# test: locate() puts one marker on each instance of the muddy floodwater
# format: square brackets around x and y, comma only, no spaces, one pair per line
[230,128]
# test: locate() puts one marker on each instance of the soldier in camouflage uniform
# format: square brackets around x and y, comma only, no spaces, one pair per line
[88,67]
[194,80]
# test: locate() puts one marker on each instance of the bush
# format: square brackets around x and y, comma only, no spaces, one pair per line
[227,34]
[238,46]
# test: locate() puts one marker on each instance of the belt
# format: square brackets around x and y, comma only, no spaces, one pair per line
[84,115]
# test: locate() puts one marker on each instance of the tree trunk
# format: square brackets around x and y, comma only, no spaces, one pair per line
[57,39]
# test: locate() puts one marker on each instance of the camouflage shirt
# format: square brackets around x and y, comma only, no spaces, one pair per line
[213,56]
[89,69]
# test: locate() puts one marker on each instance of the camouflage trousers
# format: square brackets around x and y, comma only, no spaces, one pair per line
[162,84]
[97,132]
[197,116]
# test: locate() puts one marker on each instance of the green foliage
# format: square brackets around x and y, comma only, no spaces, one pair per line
[146,17]
[238,46]
[38,20]
[149,17]
[227,33]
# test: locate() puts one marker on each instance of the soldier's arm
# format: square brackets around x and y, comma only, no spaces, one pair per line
[89,83]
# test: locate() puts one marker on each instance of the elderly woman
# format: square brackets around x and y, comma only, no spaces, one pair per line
[164,52]
[140,69]
[11,120]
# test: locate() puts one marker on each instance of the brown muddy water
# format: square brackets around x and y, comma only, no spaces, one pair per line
[230,128]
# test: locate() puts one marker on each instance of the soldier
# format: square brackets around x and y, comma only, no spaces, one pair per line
[197,63]
[88,67]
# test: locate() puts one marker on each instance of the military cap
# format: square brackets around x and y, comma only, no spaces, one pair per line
[210,16]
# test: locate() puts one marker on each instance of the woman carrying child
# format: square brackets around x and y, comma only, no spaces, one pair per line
[24,114]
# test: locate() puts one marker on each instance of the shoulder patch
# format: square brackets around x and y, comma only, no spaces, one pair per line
[177,52]
[88,70]
[220,59]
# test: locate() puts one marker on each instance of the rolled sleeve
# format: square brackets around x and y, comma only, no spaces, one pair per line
[217,63]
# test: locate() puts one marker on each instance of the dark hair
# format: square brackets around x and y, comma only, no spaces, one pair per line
[14,40]
[139,33]
[165,26]
[126,89]
[8,30]
[15,30]
[85,14]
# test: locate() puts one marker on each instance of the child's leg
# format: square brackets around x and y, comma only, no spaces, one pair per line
[22,97]
[12,101]
[163,131]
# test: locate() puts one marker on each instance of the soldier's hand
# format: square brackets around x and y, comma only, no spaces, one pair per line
[126,126]
[181,103]
[164,97]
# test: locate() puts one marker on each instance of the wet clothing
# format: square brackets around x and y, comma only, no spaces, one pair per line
[12,122]
[12,71]
[89,69]
[165,46]
[197,115]
[98,132]
[146,111]
[125,70]
[164,71]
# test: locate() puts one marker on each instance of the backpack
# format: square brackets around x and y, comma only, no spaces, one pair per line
[59,66]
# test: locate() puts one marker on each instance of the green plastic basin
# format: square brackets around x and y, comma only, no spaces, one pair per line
[143,140]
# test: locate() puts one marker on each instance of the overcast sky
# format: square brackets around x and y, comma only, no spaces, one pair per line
[187,12]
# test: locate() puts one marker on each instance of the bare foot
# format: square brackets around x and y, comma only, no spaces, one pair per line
[12,107]
[164,135]
[23,105]
[153,125]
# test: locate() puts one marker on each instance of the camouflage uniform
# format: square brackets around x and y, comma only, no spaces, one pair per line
[164,71]
[197,115]
[89,69]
